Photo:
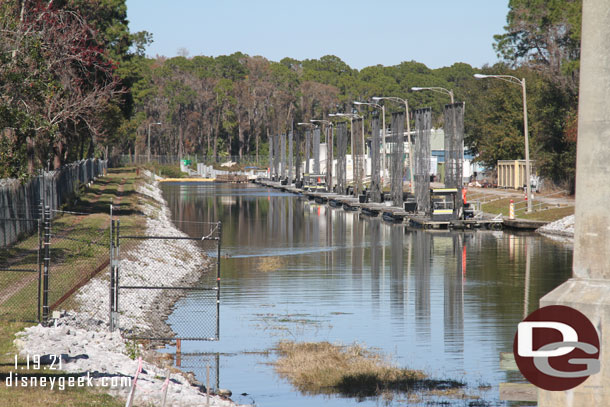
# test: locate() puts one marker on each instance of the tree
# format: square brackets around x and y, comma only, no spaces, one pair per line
[56,81]
[543,35]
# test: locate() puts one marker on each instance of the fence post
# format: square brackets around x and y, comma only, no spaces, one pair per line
[218,282]
[40,252]
[47,258]
[111,310]
[117,267]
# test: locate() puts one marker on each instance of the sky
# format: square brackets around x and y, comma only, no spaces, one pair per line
[362,33]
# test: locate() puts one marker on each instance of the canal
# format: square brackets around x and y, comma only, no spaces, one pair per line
[444,302]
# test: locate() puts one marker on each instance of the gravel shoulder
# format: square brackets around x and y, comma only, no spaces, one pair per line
[562,229]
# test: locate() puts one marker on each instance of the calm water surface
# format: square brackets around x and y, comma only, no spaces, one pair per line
[444,302]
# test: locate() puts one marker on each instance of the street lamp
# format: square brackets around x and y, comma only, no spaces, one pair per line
[512,79]
[351,117]
[406,102]
[329,153]
[382,107]
[150,124]
[436,89]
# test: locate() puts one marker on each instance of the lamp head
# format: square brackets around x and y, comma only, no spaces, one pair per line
[480,76]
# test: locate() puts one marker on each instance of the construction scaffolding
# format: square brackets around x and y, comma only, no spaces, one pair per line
[375,194]
[454,149]
[423,124]
[329,158]
[341,157]
[397,151]
[454,142]
[276,156]
[271,165]
[316,150]
[307,150]
[283,156]
[358,156]
[290,163]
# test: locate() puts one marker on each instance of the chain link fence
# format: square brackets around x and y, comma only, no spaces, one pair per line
[20,272]
[205,367]
[78,250]
[153,276]
[40,271]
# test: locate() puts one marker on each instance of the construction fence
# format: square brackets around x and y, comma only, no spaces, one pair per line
[20,202]
[40,272]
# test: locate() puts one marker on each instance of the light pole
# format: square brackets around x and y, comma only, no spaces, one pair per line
[382,107]
[150,124]
[406,102]
[436,89]
[329,153]
[512,79]
[313,126]
[351,117]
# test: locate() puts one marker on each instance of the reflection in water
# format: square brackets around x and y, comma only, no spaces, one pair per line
[445,302]
[396,272]
[375,256]
[423,249]
[454,295]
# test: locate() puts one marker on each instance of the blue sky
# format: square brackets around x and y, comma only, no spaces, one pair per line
[362,33]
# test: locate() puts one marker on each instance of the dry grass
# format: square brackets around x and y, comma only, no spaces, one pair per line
[269,264]
[324,368]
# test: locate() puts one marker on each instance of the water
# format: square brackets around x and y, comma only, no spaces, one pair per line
[444,302]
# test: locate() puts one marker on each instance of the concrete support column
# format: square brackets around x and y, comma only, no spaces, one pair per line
[589,289]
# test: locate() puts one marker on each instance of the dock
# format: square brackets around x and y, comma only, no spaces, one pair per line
[396,215]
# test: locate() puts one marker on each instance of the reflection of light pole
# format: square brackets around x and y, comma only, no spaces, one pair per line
[313,126]
[406,102]
[512,79]
[382,107]
[329,153]
[351,117]
[150,124]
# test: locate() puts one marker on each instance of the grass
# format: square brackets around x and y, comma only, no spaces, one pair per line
[353,371]
[79,246]
[547,213]
[166,170]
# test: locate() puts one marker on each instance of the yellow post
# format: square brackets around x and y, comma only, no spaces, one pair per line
[511,210]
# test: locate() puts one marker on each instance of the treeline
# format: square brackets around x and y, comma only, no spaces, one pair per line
[229,105]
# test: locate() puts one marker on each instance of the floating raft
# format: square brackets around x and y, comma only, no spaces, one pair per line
[428,223]
[395,214]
